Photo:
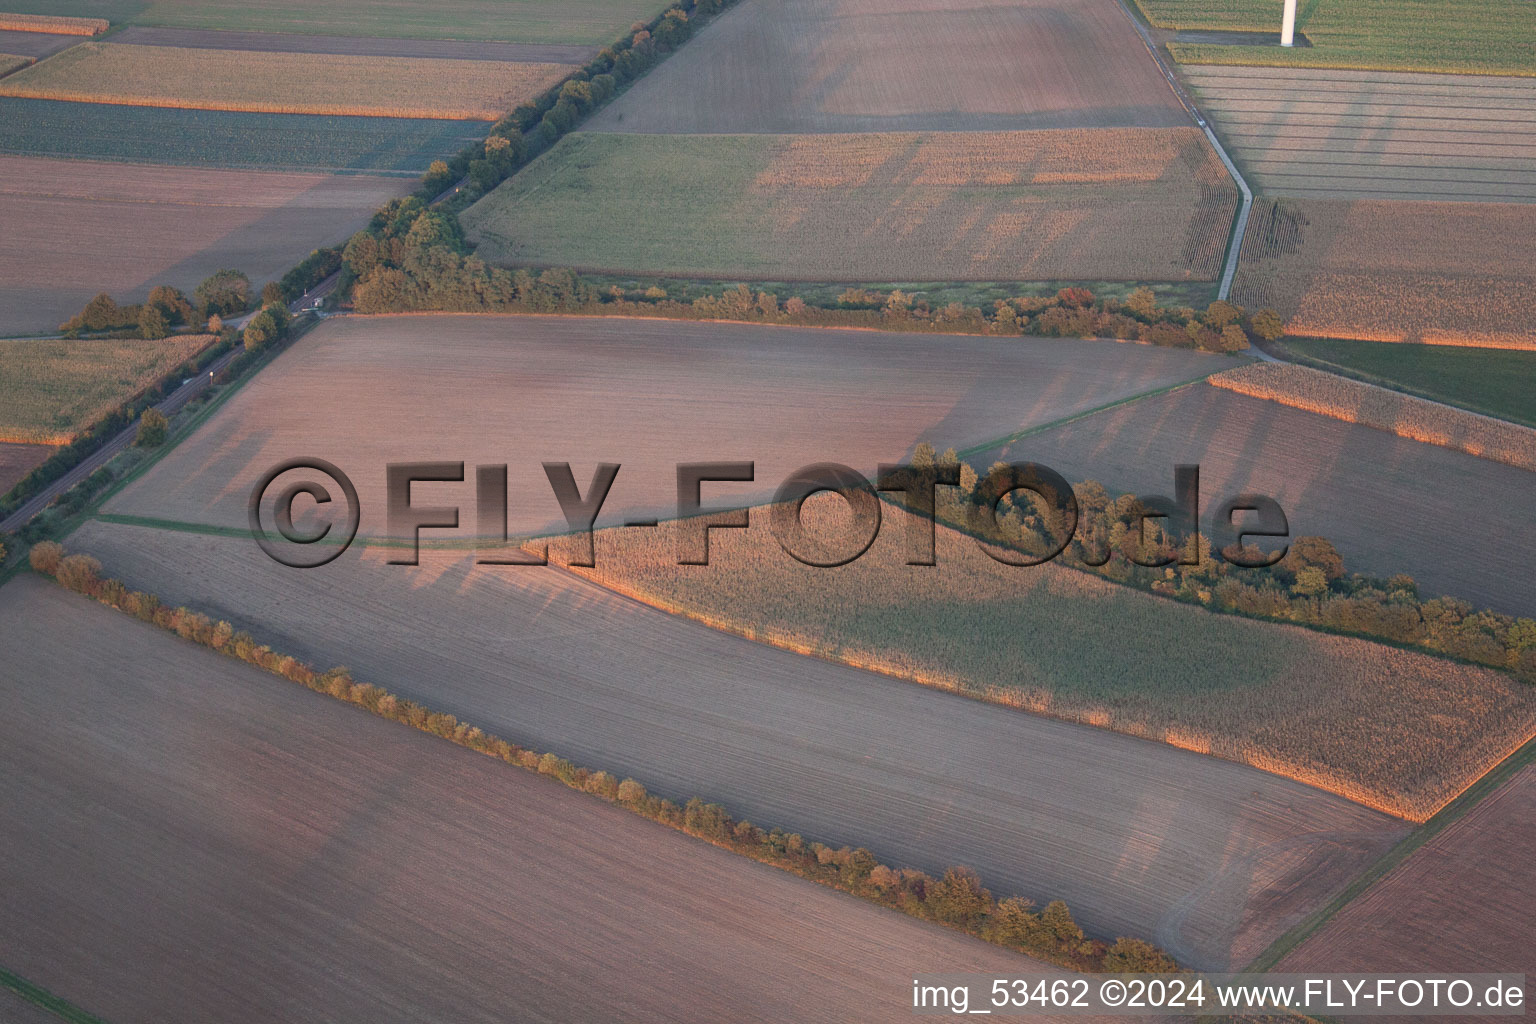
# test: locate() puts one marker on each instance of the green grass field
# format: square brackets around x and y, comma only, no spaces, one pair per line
[51,390]
[1495,382]
[1100,204]
[201,138]
[580,22]
[1469,36]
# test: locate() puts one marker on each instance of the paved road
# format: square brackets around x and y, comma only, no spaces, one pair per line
[172,404]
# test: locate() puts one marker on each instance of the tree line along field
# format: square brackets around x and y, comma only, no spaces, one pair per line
[1460,901]
[645,394]
[50,390]
[1119,204]
[1329,394]
[182,829]
[221,139]
[1389,504]
[77,228]
[1493,382]
[1208,858]
[582,22]
[1371,134]
[285,83]
[787,66]
[1440,273]
[1461,36]
[1398,731]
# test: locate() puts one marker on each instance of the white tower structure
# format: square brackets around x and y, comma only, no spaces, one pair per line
[1288,25]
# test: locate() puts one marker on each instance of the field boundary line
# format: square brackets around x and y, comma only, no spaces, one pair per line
[1489,782]
[39,996]
[1240,222]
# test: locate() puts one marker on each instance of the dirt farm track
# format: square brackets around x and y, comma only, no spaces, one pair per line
[190,838]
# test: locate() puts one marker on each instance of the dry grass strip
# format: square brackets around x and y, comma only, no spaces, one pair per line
[1403,415]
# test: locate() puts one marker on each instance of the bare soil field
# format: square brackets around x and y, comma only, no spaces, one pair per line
[1208,858]
[1389,504]
[1431,422]
[17,460]
[1112,204]
[283,83]
[273,42]
[645,394]
[903,65]
[191,838]
[1460,902]
[50,390]
[74,229]
[1439,273]
[1398,731]
[1375,134]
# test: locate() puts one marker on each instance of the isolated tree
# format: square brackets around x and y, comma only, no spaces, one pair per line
[152,429]
[225,292]
[1142,302]
[261,331]
[1221,313]
[1135,956]
[152,323]
[1266,323]
[215,324]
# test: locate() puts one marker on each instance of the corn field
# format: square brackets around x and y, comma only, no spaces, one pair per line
[53,24]
[1398,731]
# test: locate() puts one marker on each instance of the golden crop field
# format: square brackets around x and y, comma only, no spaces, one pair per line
[50,390]
[1376,270]
[1098,204]
[283,83]
[1398,731]
[1404,415]
[53,24]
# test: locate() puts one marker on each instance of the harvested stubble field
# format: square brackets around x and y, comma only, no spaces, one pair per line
[1330,395]
[10,62]
[74,229]
[1389,504]
[788,66]
[283,83]
[1493,382]
[643,393]
[1116,204]
[1373,270]
[1463,36]
[1208,858]
[191,838]
[230,139]
[1461,902]
[53,24]
[51,390]
[1370,134]
[273,42]
[1399,731]
[17,460]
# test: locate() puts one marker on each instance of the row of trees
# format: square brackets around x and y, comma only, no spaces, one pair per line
[166,308]
[1309,585]
[957,899]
